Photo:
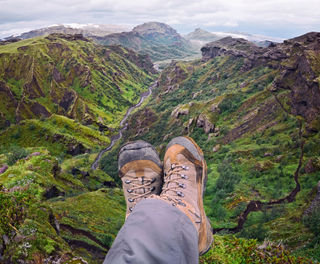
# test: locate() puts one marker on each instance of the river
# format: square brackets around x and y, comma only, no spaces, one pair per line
[123,126]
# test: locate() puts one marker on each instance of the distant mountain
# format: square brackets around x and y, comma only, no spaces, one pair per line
[203,35]
[159,40]
[84,29]
[200,37]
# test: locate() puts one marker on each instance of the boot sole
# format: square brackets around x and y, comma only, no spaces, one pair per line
[204,219]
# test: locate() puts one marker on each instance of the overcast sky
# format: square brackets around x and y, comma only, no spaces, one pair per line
[276,18]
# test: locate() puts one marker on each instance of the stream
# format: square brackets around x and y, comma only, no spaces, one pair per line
[123,126]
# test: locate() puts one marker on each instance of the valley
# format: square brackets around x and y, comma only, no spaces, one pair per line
[67,104]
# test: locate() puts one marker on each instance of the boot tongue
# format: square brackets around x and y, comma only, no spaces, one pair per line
[141,190]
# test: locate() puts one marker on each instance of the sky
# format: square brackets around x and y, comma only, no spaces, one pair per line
[275,18]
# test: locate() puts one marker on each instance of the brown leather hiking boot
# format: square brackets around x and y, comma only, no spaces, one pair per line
[140,171]
[185,176]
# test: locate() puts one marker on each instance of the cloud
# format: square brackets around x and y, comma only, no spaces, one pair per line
[264,15]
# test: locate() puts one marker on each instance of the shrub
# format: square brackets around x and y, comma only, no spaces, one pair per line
[312,222]
[17,134]
[15,154]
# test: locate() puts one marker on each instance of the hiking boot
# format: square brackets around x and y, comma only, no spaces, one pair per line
[140,171]
[185,176]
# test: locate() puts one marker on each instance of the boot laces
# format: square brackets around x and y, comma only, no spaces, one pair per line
[139,184]
[172,189]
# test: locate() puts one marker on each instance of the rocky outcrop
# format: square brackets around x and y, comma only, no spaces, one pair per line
[3,169]
[312,165]
[299,74]
[202,121]
[53,192]
[241,48]
[295,58]
[69,37]
[179,110]
[76,149]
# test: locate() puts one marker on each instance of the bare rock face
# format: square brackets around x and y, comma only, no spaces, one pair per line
[76,149]
[71,37]
[179,111]
[3,169]
[312,165]
[241,48]
[57,76]
[202,121]
[216,148]
[67,100]
[299,74]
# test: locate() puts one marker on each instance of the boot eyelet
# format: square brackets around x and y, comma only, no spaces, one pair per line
[130,209]
[129,190]
[180,194]
[153,180]
[182,185]
[174,204]
[127,181]
[152,188]
[183,204]
[131,200]
[183,176]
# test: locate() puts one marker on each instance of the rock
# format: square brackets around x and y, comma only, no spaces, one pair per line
[18,238]
[67,100]
[34,154]
[76,171]
[56,169]
[6,240]
[75,149]
[312,165]
[216,148]
[202,121]
[188,126]
[57,76]
[267,154]
[196,94]
[244,84]
[53,192]
[215,108]
[263,166]
[3,169]
[102,127]
[109,184]
[179,111]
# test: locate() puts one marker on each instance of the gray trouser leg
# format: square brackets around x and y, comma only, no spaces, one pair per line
[155,232]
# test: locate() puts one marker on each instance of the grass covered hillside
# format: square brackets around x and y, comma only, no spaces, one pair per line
[61,99]
[255,113]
